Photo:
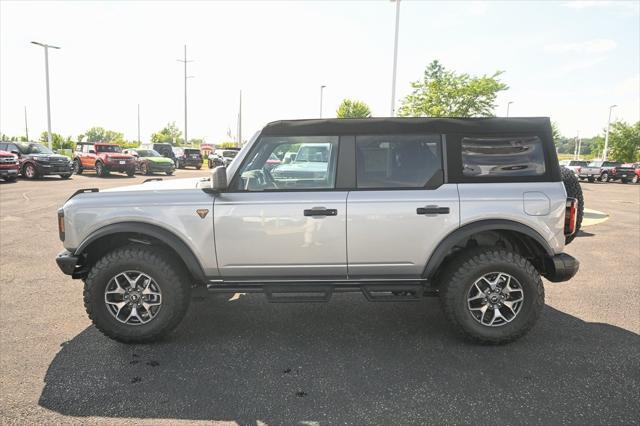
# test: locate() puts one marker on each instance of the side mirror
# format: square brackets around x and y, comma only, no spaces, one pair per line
[219,179]
[13,151]
[92,151]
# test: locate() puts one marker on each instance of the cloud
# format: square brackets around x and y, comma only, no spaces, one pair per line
[588,47]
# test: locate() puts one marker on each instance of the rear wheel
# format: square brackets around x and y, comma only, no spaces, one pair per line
[635,179]
[77,167]
[574,190]
[67,176]
[604,177]
[591,179]
[30,171]
[169,173]
[131,172]
[144,168]
[136,294]
[199,166]
[491,296]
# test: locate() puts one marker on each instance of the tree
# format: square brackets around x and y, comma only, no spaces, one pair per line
[100,134]
[444,93]
[169,134]
[624,142]
[57,141]
[353,109]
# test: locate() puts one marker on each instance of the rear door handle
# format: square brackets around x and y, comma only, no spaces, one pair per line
[432,210]
[320,211]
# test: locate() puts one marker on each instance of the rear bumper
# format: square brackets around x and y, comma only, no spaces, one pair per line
[562,267]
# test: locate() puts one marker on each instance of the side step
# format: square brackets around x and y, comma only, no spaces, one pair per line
[316,293]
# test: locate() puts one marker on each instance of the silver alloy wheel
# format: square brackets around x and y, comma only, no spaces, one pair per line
[30,171]
[495,299]
[133,297]
[604,177]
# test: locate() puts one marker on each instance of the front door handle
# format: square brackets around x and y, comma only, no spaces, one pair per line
[320,211]
[432,210]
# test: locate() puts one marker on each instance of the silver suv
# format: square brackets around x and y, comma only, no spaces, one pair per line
[471,210]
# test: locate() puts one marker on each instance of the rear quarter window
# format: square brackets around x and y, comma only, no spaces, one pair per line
[496,157]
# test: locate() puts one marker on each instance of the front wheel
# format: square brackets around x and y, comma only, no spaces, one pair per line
[30,171]
[136,294]
[199,166]
[604,177]
[144,169]
[77,167]
[101,170]
[492,296]
[66,176]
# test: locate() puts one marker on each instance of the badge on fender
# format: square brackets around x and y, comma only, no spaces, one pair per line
[202,213]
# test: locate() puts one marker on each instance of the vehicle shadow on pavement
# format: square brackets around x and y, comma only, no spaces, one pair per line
[349,362]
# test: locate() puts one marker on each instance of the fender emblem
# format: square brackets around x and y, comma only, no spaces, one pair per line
[202,213]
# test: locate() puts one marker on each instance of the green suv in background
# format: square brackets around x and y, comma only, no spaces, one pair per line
[149,161]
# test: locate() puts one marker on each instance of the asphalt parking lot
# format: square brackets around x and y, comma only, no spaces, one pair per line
[246,361]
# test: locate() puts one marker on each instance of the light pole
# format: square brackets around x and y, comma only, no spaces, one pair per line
[185,61]
[321,92]
[46,70]
[395,60]
[26,126]
[606,136]
[138,124]
[508,105]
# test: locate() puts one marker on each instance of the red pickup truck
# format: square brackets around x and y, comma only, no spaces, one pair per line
[104,158]
[629,172]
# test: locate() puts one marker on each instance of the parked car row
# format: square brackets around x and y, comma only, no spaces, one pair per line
[604,171]
[32,160]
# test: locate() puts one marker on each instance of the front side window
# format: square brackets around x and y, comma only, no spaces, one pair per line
[398,161]
[34,148]
[270,168]
[108,148]
[488,157]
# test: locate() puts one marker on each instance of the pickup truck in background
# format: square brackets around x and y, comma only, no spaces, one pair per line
[574,165]
[601,170]
[629,172]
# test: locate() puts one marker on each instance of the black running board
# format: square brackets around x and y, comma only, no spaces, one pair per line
[310,293]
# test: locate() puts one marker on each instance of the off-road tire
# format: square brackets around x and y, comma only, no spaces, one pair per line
[465,269]
[604,177]
[131,172]
[101,169]
[199,166]
[574,190]
[77,167]
[169,275]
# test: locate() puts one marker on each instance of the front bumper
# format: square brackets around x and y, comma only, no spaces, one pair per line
[67,262]
[9,172]
[167,167]
[115,166]
[561,267]
[53,168]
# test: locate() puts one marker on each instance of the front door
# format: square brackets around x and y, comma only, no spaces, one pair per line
[282,218]
[401,208]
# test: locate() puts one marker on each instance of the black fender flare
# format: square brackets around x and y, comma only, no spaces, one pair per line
[169,238]
[464,232]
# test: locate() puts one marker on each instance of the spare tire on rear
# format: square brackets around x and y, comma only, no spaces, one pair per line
[572,186]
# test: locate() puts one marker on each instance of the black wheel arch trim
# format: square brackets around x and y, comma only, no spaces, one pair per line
[169,238]
[464,232]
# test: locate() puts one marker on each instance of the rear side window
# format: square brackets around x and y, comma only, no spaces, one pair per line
[398,161]
[490,157]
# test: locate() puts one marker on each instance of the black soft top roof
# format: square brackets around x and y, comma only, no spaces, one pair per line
[344,126]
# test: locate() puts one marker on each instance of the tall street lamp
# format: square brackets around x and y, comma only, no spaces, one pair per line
[508,105]
[185,61]
[606,137]
[321,92]
[46,70]
[395,60]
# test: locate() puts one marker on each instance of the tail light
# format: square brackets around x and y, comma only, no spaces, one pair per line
[571,216]
[61,224]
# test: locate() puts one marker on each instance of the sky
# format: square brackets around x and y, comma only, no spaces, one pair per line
[566,60]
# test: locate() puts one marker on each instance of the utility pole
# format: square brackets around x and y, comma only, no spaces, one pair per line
[395,60]
[579,145]
[26,126]
[321,92]
[138,124]
[576,150]
[240,120]
[508,105]
[46,70]
[606,137]
[185,61]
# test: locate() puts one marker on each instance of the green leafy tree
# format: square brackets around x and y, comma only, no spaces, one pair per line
[100,134]
[196,142]
[444,93]
[57,141]
[624,142]
[169,134]
[224,145]
[353,109]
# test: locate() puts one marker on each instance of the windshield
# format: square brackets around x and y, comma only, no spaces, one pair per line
[595,164]
[229,153]
[148,153]
[316,154]
[34,148]
[191,151]
[108,148]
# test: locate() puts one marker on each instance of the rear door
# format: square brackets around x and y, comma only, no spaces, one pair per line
[287,221]
[401,207]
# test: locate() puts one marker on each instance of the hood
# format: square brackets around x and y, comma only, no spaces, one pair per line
[159,160]
[53,157]
[159,185]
